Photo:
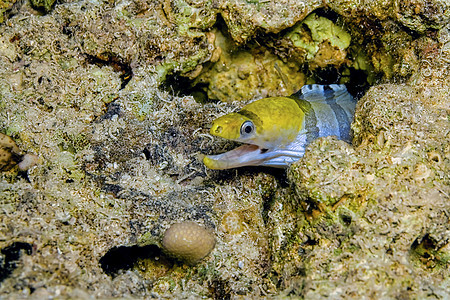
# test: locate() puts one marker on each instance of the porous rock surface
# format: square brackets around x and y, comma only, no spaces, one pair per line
[120,157]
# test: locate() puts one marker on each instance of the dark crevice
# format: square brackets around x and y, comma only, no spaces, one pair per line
[41,7]
[355,80]
[183,86]
[358,84]
[114,61]
[112,109]
[327,75]
[147,153]
[125,257]
[426,243]
[268,199]
[220,289]
[10,257]
[23,175]
[346,219]
[327,13]
[425,250]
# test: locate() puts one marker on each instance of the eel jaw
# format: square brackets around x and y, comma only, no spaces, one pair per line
[253,155]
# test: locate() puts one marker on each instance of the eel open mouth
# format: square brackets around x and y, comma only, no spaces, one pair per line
[245,155]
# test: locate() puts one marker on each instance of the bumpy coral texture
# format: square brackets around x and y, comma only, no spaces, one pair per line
[188,241]
[101,92]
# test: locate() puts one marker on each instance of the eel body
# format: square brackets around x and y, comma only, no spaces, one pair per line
[276,130]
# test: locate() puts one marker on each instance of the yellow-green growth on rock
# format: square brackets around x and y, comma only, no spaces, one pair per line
[5,6]
[44,5]
[321,30]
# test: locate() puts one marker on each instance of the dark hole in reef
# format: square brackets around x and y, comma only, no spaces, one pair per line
[24,175]
[355,80]
[183,86]
[310,242]
[125,257]
[116,62]
[10,257]
[267,200]
[112,109]
[357,85]
[425,250]
[327,13]
[326,75]
[346,219]
[40,7]
[306,246]
[423,246]
[146,153]
[220,289]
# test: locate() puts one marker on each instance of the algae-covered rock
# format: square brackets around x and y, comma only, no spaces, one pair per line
[121,157]
[417,15]
[334,165]
[5,7]
[321,39]
[9,152]
[244,18]
[421,16]
[44,5]
[242,74]
[358,199]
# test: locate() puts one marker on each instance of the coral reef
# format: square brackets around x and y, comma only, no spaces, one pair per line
[102,91]
[9,153]
[394,181]
[188,241]
[5,8]
[237,75]
[318,37]
[44,5]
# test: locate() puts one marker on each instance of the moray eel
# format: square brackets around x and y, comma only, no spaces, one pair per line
[276,130]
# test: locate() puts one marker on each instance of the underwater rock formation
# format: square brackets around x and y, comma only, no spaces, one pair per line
[102,93]
[188,241]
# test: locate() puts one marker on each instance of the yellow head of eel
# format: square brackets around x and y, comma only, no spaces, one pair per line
[276,130]
[263,125]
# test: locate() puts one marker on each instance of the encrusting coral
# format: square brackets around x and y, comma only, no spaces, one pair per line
[82,86]
[11,155]
[9,152]
[188,241]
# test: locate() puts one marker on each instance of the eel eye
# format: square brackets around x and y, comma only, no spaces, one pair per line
[247,128]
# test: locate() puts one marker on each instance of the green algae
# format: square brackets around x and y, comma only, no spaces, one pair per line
[44,5]
[240,74]
[320,29]
[5,7]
